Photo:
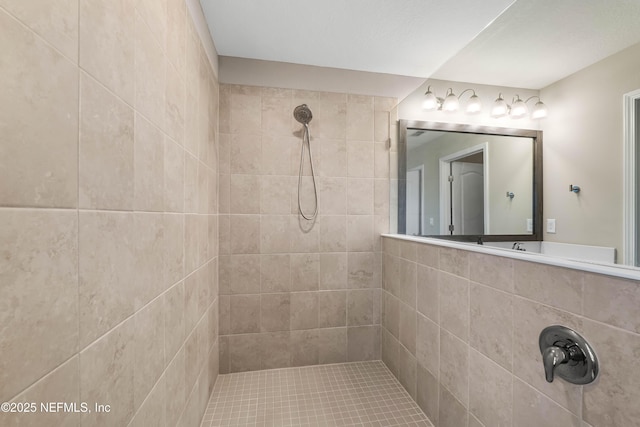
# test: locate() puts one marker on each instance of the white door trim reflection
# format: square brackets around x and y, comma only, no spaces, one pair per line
[445,196]
[630,171]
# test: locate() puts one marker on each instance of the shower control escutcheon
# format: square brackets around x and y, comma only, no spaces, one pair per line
[566,354]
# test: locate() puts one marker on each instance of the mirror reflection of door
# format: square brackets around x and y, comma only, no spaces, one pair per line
[467,195]
[414,201]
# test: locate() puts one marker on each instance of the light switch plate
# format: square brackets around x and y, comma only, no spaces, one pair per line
[551,225]
[529,224]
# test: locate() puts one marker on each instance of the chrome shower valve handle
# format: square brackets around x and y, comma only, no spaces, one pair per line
[566,354]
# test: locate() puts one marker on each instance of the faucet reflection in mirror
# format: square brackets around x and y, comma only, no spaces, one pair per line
[451,103]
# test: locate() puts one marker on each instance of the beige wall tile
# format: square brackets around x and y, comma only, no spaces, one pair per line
[106,164]
[360,121]
[245,314]
[60,385]
[490,270]
[106,272]
[149,250]
[454,305]
[245,234]
[428,345]
[190,303]
[407,371]
[152,410]
[454,366]
[191,194]
[333,233]
[381,197]
[555,286]
[244,274]
[304,310]
[38,269]
[360,233]
[408,327]
[150,74]
[391,315]
[275,273]
[360,159]
[274,230]
[149,347]
[304,236]
[191,360]
[360,307]
[107,34]
[533,409]
[245,194]
[107,376]
[334,157]
[224,319]
[428,255]
[454,261]
[148,166]
[275,350]
[427,393]
[245,105]
[451,413]
[427,301]
[331,119]
[332,345]
[360,196]
[174,320]
[611,300]
[381,160]
[173,176]
[304,347]
[332,195]
[361,270]
[275,194]
[246,154]
[407,285]
[613,399]
[305,269]
[277,107]
[490,391]
[245,352]
[275,312]
[390,349]
[280,155]
[363,343]
[333,271]
[332,309]
[491,330]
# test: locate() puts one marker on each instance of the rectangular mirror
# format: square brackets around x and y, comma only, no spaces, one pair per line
[469,182]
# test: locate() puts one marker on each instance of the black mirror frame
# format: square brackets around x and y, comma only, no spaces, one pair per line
[536,135]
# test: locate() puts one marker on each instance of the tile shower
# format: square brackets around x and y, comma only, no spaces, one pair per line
[150,240]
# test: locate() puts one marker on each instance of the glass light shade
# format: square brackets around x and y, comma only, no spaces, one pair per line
[474,105]
[519,109]
[451,103]
[500,108]
[539,111]
[430,101]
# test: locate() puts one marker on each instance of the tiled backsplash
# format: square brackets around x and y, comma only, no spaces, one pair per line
[108,212]
[295,292]
[460,331]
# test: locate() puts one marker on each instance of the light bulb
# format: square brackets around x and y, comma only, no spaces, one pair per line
[430,101]
[451,103]
[474,105]
[500,108]
[519,109]
[539,111]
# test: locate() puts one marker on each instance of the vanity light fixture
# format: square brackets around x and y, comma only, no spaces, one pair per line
[451,101]
[518,108]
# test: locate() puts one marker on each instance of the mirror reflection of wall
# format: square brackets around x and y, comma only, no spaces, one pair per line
[489,166]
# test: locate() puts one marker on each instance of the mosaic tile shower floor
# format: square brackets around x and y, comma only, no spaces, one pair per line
[347,394]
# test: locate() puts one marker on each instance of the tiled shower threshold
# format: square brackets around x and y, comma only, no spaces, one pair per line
[345,394]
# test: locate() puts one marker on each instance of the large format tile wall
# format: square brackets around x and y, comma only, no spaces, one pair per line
[108,225]
[460,331]
[296,292]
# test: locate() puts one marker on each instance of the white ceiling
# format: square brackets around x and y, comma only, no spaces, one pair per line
[532,44]
[408,37]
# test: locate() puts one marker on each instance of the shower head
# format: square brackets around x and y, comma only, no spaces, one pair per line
[302,113]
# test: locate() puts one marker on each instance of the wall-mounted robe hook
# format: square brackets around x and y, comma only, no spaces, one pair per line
[510,195]
[574,188]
